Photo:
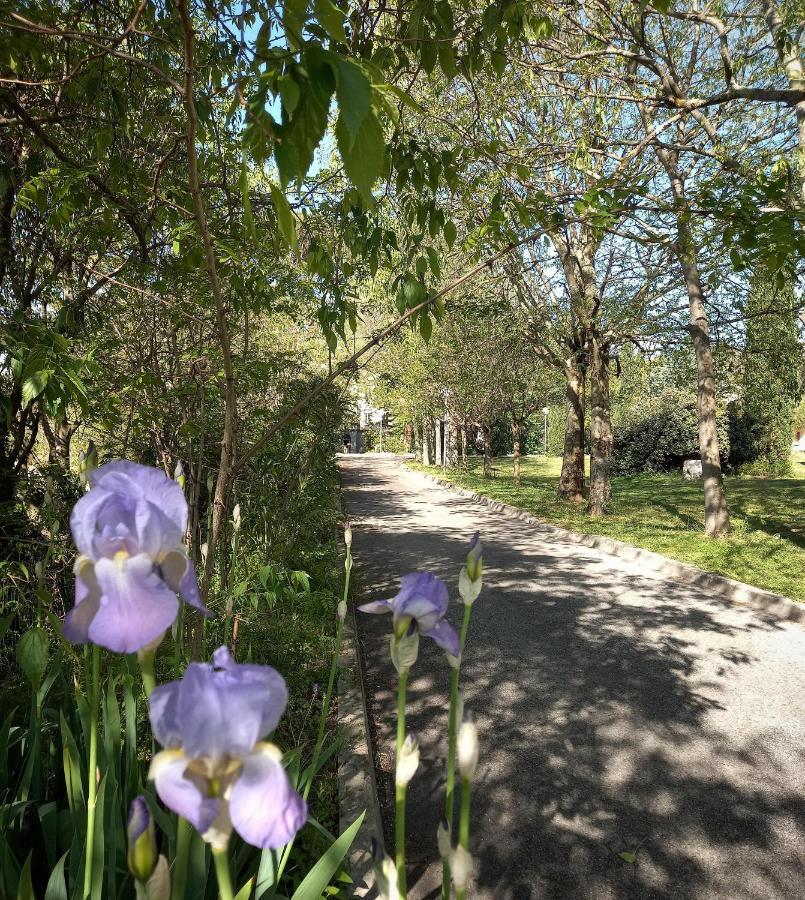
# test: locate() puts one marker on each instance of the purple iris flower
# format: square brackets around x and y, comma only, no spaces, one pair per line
[129,531]
[421,603]
[215,770]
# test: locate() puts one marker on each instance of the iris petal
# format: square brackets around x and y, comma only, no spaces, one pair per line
[155,531]
[225,710]
[146,482]
[87,603]
[180,793]
[445,636]
[377,606]
[163,707]
[265,809]
[423,596]
[180,576]
[136,606]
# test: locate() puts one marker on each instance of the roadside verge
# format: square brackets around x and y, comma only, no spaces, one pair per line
[718,585]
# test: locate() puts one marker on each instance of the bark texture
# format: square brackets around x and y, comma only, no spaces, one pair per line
[600,429]
[716,513]
[516,434]
[571,481]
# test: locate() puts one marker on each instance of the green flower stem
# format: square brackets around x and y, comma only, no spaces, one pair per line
[325,711]
[452,731]
[399,826]
[464,825]
[149,678]
[222,874]
[94,701]
[184,833]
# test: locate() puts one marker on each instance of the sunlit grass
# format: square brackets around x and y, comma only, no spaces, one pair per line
[664,513]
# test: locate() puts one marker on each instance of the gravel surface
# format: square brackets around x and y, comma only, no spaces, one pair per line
[618,712]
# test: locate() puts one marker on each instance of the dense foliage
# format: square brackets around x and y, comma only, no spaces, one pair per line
[660,433]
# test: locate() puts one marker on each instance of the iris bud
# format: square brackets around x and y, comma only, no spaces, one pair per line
[467,748]
[475,559]
[236,517]
[408,761]
[468,589]
[348,536]
[385,874]
[404,651]
[92,457]
[461,865]
[443,839]
[342,610]
[178,474]
[142,855]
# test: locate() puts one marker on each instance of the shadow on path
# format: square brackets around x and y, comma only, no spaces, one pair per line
[617,712]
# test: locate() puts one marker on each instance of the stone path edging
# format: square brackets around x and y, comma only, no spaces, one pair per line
[357,790]
[773,604]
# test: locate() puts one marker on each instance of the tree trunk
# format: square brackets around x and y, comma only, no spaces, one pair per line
[416,446]
[450,442]
[571,481]
[465,439]
[516,429]
[438,444]
[716,513]
[487,430]
[425,442]
[600,430]
[59,438]
[227,458]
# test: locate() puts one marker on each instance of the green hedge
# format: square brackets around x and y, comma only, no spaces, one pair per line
[658,433]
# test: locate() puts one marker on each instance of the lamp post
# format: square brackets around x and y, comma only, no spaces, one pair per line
[545,411]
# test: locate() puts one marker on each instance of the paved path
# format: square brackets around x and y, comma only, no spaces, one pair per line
[617,712]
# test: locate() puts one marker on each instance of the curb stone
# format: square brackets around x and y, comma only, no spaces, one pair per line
[357,790]
[775,605]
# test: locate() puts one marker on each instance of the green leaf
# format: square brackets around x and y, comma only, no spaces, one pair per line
[447,59]
[57,886]
[266,874]
[331,19]
[34,385]
[32,654]
[246,891]
[298,138]
[428,55]
[285,218]
[97,848]
[25,890]
[317,879]
[425,325]
[628,856]
[354,93]
[289,91]
[449,232]
[400,94]
[363,158]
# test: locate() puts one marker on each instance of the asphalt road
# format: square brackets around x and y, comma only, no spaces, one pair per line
[618,712]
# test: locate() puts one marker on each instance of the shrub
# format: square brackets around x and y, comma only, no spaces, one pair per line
[762,421]
[658,433]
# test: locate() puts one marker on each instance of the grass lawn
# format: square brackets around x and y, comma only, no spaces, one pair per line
[665,513]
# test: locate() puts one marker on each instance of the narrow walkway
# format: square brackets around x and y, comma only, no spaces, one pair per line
[617,712]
